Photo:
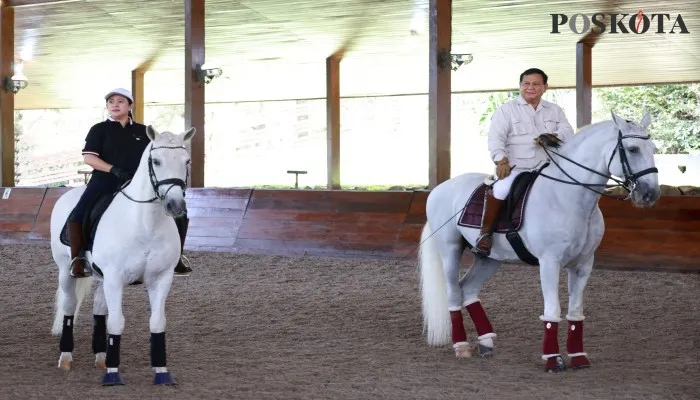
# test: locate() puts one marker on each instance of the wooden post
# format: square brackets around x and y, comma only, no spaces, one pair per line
[194,89]
[584,84]
[138,93]
[7,99]
[333,121]
[440,93]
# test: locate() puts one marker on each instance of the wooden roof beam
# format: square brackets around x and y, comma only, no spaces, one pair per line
[33,3]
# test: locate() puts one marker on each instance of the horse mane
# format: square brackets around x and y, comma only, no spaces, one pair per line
[598,128]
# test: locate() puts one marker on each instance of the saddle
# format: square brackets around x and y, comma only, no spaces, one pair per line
[93,213]
[510,218]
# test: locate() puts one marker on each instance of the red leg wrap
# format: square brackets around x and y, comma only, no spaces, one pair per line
[550,344]
[574,344]
[458,332]
[574,339]
[481,321]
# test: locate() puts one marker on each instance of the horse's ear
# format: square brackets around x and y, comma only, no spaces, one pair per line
[189,134]
[151,133]
[646,121]
[617,120]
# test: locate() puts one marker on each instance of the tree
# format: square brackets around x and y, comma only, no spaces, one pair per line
[674,109]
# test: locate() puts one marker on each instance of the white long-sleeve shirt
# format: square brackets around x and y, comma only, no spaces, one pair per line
[516,124]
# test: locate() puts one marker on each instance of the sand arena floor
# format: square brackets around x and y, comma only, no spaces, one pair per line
[267,327]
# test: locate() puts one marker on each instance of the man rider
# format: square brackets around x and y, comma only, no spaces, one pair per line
[514,143]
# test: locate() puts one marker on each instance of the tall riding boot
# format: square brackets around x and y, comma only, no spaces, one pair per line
[488,224]
[79,266]
[182,223]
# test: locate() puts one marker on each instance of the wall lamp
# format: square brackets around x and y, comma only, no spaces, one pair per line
[454,61]
[14,84]
[207,74]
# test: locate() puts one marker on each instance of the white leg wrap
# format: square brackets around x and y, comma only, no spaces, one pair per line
[546,356]
[577,355]
[160,370]
[459,345]
[454,308]
[487,336]
[572,318]
[468,302]
[550,319]
[110,370]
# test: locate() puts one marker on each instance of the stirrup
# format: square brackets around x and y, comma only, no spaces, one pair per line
[87,269]
[476,249]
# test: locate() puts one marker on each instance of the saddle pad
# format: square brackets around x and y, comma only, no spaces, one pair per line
[474,209]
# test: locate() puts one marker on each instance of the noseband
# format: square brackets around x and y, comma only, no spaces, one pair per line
[631,179]
[155,183]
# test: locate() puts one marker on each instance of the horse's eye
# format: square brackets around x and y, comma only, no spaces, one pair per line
[634,149]
[188,162]
[156,162]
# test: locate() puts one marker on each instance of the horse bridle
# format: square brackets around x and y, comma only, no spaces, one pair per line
[155,183]
[631,179]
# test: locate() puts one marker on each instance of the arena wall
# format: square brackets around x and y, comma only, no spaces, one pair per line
[369,224]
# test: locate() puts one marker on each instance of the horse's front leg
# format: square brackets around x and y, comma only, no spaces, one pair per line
[99,327]
[578,278]
[68,303]
[157,293]
[113,292]
[549,279]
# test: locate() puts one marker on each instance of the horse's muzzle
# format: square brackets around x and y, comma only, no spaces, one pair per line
[645,195]
[176,208]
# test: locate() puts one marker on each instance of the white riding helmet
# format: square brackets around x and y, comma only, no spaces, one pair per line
[121,92]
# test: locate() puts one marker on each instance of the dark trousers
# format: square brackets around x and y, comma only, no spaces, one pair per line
[94,188]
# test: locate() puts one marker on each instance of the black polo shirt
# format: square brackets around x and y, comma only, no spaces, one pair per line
[121,146]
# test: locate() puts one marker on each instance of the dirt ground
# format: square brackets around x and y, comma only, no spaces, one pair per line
[267,327]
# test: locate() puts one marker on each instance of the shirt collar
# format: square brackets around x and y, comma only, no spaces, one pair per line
[131,122]
[520,101]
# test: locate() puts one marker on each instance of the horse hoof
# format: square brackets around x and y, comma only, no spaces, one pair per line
[112,379]
[579,362]
[65,362]
[66,365]
[485,351]
[462,350]
[555,364]
[100,360]
[164,378]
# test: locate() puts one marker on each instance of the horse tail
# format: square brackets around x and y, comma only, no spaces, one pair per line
[436,317]
[82,287]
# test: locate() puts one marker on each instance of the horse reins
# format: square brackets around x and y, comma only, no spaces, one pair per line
[631,179]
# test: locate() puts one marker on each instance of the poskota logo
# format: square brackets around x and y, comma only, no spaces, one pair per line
[638,23]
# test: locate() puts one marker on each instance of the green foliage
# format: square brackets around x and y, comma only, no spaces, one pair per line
[674,109]
[496,99]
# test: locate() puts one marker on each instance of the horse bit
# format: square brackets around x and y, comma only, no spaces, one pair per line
[631,179]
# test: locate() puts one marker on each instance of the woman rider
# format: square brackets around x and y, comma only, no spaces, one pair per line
[113,148]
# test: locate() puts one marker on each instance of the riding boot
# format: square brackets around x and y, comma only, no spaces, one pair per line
[79,266]
[488,224]
[182,223]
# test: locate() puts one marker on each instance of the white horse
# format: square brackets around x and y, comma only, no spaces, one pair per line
[136,241]
[562,227]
